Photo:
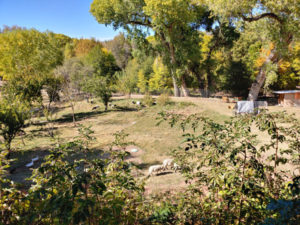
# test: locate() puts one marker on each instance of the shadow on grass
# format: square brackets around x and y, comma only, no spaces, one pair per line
[143,166]
[18,172]
[43,131]
[164,173]
[68,118]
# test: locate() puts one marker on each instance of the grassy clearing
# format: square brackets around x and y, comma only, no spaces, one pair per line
[154,142]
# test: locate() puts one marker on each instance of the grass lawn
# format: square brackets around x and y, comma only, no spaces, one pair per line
[153,142]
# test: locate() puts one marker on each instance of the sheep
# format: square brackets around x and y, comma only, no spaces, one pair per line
[176,167]
[155,168]
[167,163]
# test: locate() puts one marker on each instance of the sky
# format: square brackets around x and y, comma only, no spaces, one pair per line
[69,17]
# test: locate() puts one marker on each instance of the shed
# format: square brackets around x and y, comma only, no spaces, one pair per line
[288,97]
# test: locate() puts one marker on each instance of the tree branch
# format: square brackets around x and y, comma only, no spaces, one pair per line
[148,24]
[269,15]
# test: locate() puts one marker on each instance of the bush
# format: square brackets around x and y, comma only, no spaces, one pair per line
[163,99]
[65,191]
[148,100]
[13,113]
[230,162]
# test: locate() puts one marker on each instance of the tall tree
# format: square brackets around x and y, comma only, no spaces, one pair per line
[283,22]
[121,48]
[172,21]
[102,61]
[27,57]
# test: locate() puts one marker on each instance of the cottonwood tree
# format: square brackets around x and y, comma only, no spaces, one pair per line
[174,24]
[282,26]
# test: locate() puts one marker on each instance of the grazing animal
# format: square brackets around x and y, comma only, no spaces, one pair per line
[133,102]
[138,103]
[154,168]
[96,107]
[167,163]
[176,167]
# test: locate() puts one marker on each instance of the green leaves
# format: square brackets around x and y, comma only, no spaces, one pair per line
[232,164]
[26,59]
[13,114]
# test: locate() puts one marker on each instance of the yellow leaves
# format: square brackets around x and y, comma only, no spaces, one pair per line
[283,66]
[260,62]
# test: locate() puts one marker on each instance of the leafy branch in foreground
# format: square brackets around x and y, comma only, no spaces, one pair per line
[236,168]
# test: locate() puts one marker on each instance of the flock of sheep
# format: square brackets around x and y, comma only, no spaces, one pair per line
[167,163]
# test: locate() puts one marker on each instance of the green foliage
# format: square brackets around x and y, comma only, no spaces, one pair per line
[127,79]
[99,87]
[121,48]
[174,24]
[142,83]
[13,114]
[228,160]
[163,99]
[102,61]
[74,74]
[148,100]
[26,58]
[79,191]
[160,79]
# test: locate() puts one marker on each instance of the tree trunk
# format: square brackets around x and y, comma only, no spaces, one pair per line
[260,79]
[185,90]
[73,112]
[176,88]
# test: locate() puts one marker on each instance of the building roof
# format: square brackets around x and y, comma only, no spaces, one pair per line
[287,92]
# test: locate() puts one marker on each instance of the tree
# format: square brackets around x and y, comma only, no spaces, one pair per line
[160,79]
[99,87]
[282,25]
[102,61]
[83,46]
[126,82]
[27,57]
[74,74]
[121,49]
[13,114]
[173,22]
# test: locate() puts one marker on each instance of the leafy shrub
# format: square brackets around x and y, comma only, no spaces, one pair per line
[163,99]
[13,114]
[74,191]
[227,160]
[148,100]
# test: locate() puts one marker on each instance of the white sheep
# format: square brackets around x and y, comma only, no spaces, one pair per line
[167,163]
[155,168]
[176,167]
